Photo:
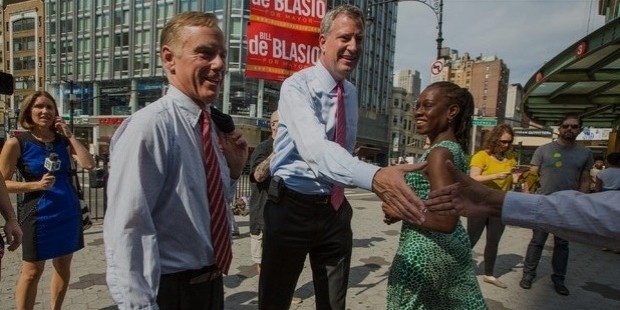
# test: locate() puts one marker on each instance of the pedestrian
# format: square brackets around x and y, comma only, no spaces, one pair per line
[599,165]
[174,168]
[561,165]
[12,231]
[492,166]
[50,217]
[609,178]
[432,267]
[306,212]
[260,177]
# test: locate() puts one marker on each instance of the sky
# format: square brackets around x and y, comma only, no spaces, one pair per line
[524,33]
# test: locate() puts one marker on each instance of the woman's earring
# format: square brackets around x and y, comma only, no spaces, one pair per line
[449,120]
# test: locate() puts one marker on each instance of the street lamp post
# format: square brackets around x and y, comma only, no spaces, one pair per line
[437,8]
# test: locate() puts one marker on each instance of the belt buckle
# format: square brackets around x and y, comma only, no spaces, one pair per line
[205,277]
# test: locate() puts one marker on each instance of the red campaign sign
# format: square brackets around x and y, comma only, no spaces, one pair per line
[275,53]
[281,12]
[282,37]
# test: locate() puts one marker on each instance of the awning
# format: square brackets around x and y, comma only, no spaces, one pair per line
[584,80]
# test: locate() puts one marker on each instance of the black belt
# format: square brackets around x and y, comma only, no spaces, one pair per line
[313,199]
[195,276]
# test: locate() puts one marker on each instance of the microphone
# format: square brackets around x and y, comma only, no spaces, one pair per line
[223,121]
[52,163]
[7,83]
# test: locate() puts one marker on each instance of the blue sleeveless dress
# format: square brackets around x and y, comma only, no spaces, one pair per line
[50,219]
[433,270]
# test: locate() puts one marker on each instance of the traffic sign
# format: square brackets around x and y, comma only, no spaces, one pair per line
[484,122]
[437,67]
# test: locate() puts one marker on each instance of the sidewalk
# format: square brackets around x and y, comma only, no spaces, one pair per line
[592,274]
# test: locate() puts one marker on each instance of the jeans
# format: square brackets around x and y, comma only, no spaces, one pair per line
[559,260]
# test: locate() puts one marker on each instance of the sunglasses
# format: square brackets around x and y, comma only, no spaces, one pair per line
[572,126]
[506,141]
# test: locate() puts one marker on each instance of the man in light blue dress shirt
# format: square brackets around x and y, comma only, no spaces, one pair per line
[157,229]
[300,219]
[575,216]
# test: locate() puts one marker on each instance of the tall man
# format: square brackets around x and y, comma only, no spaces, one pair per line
[306,212]
[562,165]
[260,176]
[173,170]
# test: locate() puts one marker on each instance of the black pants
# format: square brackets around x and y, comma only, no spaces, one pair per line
[495,229]
[178,292]
[298,226]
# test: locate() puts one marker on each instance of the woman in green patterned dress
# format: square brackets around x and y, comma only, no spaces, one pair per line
[432,268]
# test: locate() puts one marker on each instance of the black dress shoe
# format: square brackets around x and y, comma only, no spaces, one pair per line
[560,289]
[525,283]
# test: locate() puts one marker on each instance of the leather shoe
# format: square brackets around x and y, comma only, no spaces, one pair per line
[561,289]
[525,283]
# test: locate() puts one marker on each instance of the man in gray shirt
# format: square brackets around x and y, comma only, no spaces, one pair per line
[562,165]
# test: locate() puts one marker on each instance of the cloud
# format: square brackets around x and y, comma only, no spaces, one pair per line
[525,34]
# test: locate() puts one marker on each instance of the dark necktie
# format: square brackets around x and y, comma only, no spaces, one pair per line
[220,230]
[340,138]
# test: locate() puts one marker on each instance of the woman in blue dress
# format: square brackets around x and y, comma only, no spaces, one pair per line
[432,268]
[50,217]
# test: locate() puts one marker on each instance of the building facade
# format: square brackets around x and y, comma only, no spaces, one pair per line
[104,54]
[24,52]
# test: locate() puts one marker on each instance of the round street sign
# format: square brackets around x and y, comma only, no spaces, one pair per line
[437,67]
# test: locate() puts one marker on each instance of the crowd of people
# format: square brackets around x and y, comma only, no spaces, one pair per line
[176,162]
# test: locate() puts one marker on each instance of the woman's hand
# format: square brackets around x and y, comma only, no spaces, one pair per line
[47,181]
[62,127]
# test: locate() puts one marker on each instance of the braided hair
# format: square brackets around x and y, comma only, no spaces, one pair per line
[464,99]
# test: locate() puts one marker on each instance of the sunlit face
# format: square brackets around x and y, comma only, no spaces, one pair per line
[43,112]
[273,123]
[197,66]
[342,46]
[432,112]
[505,141]
[569,129]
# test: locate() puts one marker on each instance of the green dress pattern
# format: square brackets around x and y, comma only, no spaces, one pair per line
[433,270]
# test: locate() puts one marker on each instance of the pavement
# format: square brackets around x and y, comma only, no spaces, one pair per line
[592,274]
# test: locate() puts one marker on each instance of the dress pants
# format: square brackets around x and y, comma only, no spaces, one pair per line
[559,260]
[495,229]
[201,289]
[296,226]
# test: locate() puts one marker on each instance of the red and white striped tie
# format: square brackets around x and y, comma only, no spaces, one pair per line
[340,137]
[220,229]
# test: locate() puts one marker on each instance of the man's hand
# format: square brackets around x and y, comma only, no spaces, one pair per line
[13,234]
[398,198]
[467,197]
[235,149]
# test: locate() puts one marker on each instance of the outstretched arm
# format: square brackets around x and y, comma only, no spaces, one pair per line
[399,199]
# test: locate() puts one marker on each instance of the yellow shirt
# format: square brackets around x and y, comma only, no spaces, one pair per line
[491,165]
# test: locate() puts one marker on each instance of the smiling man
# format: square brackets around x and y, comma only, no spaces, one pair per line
[306,212]
[173,173]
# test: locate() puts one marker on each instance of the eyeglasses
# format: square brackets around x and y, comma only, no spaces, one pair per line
[506,141]
[572,126]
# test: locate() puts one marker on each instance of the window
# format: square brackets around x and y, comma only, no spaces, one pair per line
[23,63]
[23,24]
[121,39]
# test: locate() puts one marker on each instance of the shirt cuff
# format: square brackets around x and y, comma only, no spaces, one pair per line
[363,173]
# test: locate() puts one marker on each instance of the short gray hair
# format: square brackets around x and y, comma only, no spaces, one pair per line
[346,9]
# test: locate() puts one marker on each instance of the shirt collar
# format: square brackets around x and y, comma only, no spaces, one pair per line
[325,79]
[186,105]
